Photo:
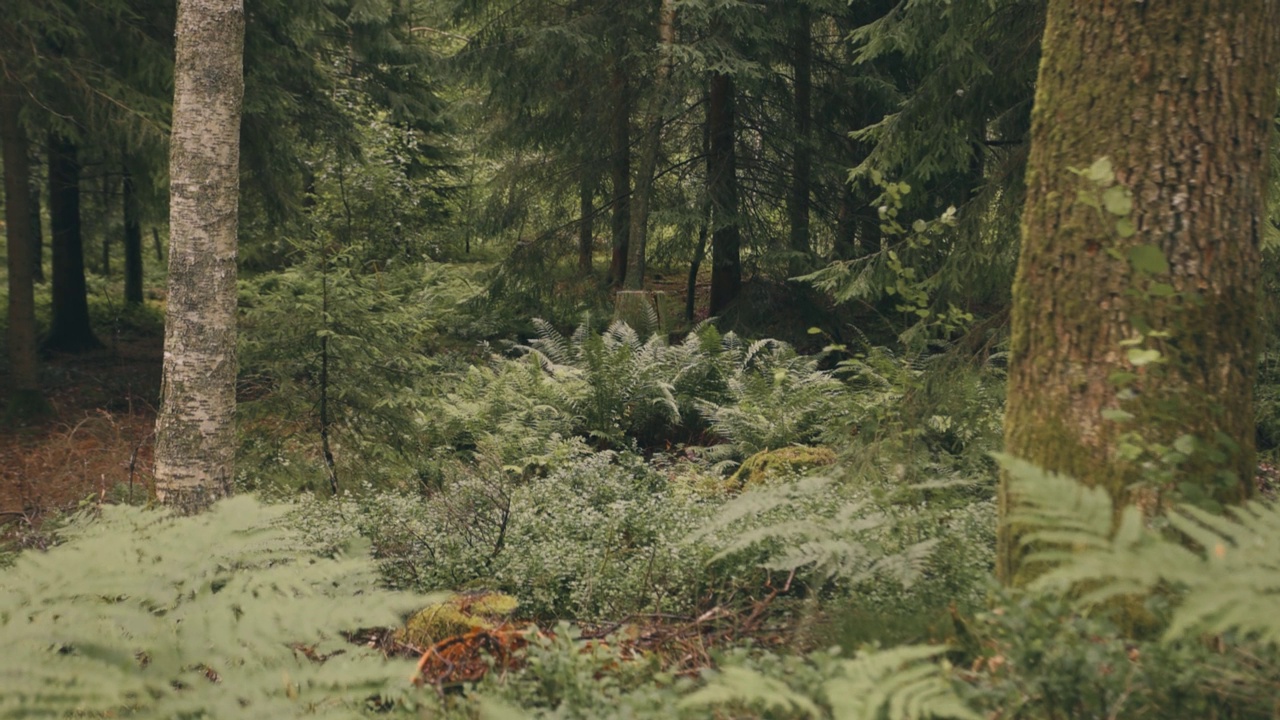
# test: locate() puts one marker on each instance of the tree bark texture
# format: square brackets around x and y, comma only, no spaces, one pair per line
[726,240]
[802,156]
[132,241]
[652,144]
[24,385]
[69,330]
[1181,98]
[195,431]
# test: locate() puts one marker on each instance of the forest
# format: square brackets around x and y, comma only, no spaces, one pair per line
[776,359]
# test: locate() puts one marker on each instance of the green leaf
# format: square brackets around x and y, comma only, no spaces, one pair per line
[1117,201]
[1117,415]
[1101,171]
[1143,356]
[1161,290]
[1125,228]
[1148,259]
[1122,377]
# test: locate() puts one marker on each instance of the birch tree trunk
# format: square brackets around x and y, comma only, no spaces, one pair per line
[1181,98]
[195,431]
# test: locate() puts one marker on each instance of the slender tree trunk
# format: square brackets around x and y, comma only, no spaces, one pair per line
[802,157]
[37,232]
[691,287]
[195,430]
[704,227]
[106,223]
[726,240]
[586,224]
[70,330]
[132,241]
[155,240]
[24,385]
[1181,98]
[643,194]
[620,173]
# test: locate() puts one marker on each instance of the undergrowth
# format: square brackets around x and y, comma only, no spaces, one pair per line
[145,614]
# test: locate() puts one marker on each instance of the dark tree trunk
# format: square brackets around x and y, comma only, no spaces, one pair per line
[691,287]
[24,386]
[132,242]
[798,199]
[1181,98]
[586,224]
[620,172]
[106,224]
[726,240]
[37,231]
[70,331]
[155,240]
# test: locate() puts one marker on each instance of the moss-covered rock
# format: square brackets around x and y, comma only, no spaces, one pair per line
[457,615]
[771,464]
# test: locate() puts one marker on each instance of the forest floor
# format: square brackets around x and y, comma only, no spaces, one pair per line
[96,442]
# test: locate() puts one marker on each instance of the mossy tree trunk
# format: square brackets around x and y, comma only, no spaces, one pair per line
[1180,97]
[195,430]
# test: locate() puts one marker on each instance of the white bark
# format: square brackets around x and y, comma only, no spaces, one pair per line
[195,431]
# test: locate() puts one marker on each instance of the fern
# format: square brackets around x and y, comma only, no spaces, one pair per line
[151,614]
[773,398]
[1223,569]
[800,526]
[902,683]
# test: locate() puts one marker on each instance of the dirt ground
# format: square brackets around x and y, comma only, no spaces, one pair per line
[96,444]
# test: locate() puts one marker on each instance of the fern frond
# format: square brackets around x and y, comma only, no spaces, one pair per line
[904,683]
[552,343]
[1222,569]
[120,615]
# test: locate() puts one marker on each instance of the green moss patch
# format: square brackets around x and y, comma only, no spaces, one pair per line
[769,465]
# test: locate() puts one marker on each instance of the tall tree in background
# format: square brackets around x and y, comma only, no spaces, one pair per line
[802,160]
[1161,238]
[726,240]
[642,194]
[195,430]
[24,383]
[132,240]
[620,162]
[70,330]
